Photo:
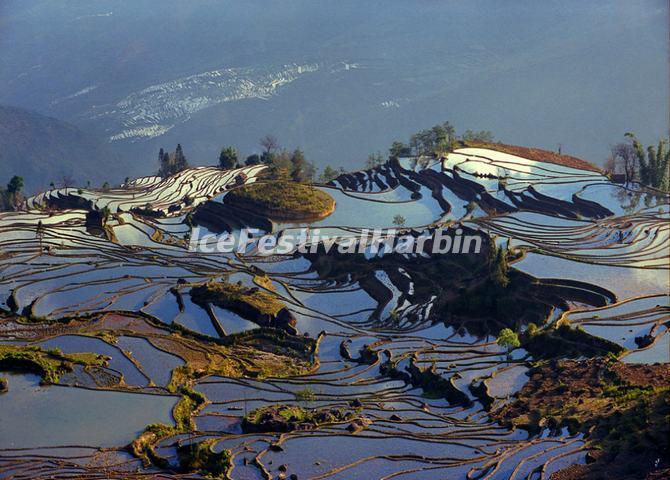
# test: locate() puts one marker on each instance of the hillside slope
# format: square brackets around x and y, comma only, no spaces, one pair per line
[43,149]
[537,154]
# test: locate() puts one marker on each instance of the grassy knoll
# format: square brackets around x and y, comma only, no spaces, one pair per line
[283,200]
[623,409]
[48,364]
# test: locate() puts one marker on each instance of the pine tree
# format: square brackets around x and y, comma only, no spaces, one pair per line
[171,164]
[228,158]
[298,166]
[498,265]
[163,163]
[13,195]
[180,160]
[15,185]
[253,159]
[280,166]
[328,174]
[310,172]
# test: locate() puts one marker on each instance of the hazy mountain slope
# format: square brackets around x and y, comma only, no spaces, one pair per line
[43,149]
[340,79]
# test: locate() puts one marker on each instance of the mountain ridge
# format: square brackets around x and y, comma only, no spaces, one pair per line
[43,149]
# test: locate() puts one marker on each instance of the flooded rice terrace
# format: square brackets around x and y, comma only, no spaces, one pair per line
[317,365]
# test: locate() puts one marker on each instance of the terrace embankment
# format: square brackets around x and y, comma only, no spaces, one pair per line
[468,188]
[252,303]
[482,293]
[563,341]
[219,217]
[623,409]
[287,418]
[282,200]
[48,364]
[536,154]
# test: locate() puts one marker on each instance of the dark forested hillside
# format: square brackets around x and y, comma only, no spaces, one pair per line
[43,150]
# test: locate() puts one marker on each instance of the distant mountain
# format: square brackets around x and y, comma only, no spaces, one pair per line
[324,77]
[43,149]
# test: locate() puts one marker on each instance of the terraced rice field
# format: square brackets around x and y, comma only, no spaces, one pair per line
[378,336]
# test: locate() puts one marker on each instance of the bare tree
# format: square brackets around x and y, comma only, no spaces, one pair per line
[269,143]
[67,182]
[626,160]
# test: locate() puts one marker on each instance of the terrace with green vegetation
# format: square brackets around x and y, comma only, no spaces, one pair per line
[286,418]
[201,457]
[48,364]
[623,409]
[352,348]
[237,298]
[283,200]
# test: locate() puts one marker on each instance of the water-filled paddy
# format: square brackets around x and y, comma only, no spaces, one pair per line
[390,353]
[34,416]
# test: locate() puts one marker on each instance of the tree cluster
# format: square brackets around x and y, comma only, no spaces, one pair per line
[498,265]
[483,136]
[655,165]
[283,164]
[171,163]
[650,166]
[329,173]
[228,158]
[434,141]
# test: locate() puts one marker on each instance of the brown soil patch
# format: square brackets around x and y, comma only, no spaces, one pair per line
[624,411]
[537,154]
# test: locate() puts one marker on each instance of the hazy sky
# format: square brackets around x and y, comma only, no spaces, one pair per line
[536,73]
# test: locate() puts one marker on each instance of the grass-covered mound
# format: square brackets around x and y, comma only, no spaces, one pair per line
[283,200]
[48,364]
